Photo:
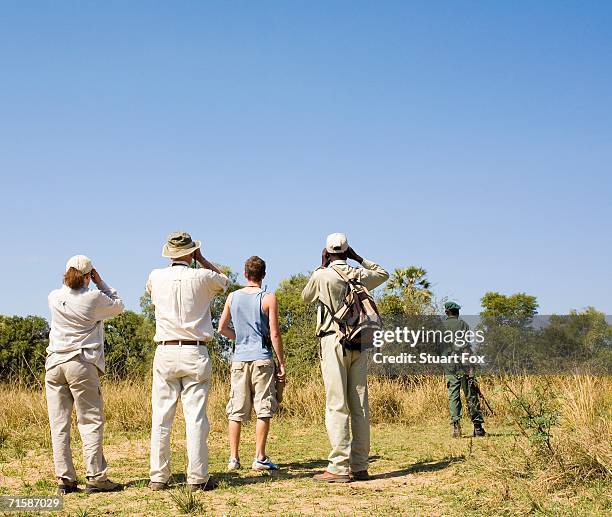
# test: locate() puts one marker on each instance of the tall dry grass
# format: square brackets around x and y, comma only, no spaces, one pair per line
[581,441]
[23,411]
[579,448]
[23,417]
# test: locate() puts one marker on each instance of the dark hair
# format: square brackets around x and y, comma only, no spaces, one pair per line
[453,312]
[255,268]
[74,279]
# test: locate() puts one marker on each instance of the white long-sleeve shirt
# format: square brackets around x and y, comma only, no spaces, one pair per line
[77,326]
[181,296]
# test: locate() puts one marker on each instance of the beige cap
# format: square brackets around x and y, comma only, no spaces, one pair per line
[179,244]
[336,243]
[81,263]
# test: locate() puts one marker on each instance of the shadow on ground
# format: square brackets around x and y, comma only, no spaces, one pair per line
[301,470]
[294,470]
[421,466]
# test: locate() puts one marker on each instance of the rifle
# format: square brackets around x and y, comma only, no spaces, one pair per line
[479,393]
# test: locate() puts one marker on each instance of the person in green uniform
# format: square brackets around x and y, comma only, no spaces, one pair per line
[460,376]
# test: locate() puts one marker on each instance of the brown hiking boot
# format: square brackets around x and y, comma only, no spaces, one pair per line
[66,487]
[328,477]
[96,485]
[479,430]
[155,486]
[211,484]
[456,430]
[360,475]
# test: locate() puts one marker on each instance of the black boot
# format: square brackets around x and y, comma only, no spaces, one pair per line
[66,487]
[479,430]
[456,430]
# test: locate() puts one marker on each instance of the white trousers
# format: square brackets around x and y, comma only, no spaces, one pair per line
[185,372]
[76,383]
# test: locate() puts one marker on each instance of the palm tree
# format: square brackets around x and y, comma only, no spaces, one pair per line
[411,285]
[412,278]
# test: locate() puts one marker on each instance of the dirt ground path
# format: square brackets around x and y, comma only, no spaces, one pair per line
[414,471]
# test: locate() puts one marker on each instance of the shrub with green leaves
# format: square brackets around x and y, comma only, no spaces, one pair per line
[23,341]
[536,413]
[129,346]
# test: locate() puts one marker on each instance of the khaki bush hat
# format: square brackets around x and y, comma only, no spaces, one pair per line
[81,263]
[336,243]
[179,244]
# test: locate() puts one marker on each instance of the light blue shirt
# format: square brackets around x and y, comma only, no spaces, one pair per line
[251,324]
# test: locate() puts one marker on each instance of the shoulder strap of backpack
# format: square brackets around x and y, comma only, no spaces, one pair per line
[261,297]
[350,281]
[342,274]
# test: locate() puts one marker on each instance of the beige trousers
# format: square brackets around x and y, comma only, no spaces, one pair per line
[76,383]
[185,372]
[346,406]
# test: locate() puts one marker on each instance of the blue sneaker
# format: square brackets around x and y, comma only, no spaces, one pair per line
[266,464]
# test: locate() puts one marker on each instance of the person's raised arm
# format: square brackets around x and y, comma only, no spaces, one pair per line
[270,305]
[205,263]
[148,287]
[108,303]
[224,321]
[310,291]
[372,275]
[216,281]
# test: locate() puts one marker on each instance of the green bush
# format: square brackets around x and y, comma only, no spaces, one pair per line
[129,346]
[23,341]
[536,413]
[298,324]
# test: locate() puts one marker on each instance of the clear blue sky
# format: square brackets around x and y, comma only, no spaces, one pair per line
[471,138]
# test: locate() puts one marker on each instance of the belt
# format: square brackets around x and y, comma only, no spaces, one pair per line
[182,343]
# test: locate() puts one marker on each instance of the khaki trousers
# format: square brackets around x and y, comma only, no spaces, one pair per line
[346,406]
[253,384]
[185,372]
[76,383]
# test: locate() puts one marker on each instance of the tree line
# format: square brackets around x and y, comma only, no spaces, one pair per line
[580,338]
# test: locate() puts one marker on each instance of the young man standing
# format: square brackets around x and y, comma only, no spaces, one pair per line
[254,315]
[181,368]
[344,371]
[459,376]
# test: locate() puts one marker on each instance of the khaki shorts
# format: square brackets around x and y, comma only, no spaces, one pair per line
[253,384]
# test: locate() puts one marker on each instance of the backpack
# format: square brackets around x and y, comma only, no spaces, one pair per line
[357,318]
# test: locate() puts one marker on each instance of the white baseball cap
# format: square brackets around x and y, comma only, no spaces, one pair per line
[336,243]
[81,263]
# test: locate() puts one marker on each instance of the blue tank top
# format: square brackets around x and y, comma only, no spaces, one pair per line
[250,324]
